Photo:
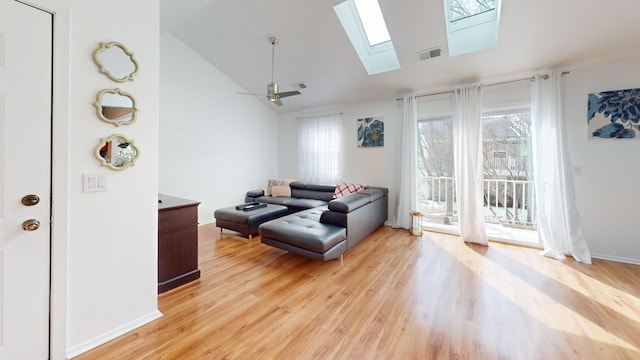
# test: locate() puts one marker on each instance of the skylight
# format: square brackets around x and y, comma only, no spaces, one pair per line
[364,24]
[472,25]
[372,21]
[462,9]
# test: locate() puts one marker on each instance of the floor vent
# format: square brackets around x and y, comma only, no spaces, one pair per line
[428,54]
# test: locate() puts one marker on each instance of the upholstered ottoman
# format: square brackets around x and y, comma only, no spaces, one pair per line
[302,233]
[247,222]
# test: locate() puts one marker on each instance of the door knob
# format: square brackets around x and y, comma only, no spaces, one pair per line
[30,200]
[31,225]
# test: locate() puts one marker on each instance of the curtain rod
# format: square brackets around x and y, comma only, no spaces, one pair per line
[311,116]
[532,78]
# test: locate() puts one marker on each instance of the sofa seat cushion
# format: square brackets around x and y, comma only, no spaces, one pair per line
[304,230]
[280,200]
[303,204]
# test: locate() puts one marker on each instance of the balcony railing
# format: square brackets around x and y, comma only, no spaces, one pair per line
[506,202]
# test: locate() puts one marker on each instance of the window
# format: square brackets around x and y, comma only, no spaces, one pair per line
[508,189]
[436,182]
[372,21]
[462,9]
[364,24]
[472,25]
[508,176]
[320,148]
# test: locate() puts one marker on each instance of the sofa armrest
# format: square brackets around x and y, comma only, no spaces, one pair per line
[349,203]
[255,193]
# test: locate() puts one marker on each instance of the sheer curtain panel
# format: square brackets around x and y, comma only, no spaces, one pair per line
[406,201]
[559,227]
[467,152]
[320,148]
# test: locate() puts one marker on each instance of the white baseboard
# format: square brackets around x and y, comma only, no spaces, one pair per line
[108,336]
[616,259]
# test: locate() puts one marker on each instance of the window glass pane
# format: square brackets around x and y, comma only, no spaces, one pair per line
[508,176]
[372,21]
[462,9]
[436,183]
[320,148]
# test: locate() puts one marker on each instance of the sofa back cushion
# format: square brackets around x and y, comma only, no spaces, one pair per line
[305,190]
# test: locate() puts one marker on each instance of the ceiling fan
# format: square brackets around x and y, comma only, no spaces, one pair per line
[272,88]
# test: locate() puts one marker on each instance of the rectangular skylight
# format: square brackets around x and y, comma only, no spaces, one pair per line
[372,21]
[472,25]
[462,9]
[371,42]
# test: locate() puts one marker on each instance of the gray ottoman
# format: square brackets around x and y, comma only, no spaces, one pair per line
[247,222]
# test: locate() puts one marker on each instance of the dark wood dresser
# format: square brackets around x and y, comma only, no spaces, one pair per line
[177,242]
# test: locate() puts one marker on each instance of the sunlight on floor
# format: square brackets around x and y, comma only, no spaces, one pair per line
[544,307]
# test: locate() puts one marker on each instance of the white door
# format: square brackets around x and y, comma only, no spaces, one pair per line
[25,161]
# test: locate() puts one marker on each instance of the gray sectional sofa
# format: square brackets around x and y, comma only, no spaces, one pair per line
[318,226]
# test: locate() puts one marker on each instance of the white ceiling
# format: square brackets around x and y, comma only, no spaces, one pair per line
[233,35]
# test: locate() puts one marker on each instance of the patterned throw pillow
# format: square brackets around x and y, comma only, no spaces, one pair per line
[281,191]
[270,184]
[344,189]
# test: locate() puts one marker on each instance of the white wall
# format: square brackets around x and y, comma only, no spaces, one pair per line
[606,174]
[111,237]
[215,144]
[376,166]
[108,253]
[606,171]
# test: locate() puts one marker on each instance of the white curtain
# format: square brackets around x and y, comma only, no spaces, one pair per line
[406,201]
[467,152]
[320,148]
[559,226]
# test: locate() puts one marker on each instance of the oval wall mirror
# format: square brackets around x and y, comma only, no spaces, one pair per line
[116,107]
[117,152]
[115,61]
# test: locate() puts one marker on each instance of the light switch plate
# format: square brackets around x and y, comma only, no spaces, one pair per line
[95,182]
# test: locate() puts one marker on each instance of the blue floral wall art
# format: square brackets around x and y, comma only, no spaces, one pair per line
[370,132]
[614,114]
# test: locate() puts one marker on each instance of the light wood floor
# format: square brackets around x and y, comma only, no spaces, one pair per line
[393,297]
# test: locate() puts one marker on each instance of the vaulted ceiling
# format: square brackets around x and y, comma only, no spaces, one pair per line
[233,35]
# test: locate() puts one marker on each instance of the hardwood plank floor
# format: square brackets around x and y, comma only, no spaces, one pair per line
[393,297]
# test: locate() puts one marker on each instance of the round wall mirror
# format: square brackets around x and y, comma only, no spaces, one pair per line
[116,107]
[115,61]
[117,152]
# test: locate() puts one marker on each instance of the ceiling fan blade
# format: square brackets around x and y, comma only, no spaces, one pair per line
[277,102]
[288,93]
[243,93]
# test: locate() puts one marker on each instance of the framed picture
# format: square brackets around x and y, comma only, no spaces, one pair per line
[370,132]
[614,114]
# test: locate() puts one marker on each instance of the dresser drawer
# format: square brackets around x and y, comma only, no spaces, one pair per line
[174,218]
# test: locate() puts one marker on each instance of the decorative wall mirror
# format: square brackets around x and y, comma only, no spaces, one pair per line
[116,107]
[115,61]
[117,152]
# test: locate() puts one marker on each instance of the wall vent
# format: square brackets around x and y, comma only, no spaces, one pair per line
[429,53]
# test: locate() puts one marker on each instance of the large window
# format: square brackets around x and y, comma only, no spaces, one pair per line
[508,178]
[320,148]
